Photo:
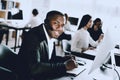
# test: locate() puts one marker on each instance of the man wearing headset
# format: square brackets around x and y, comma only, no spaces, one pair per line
[37,54]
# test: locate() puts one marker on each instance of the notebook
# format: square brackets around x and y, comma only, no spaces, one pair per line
[76,71]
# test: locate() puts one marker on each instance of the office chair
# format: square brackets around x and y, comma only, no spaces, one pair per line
[66,46]
[8,63]
[2,32]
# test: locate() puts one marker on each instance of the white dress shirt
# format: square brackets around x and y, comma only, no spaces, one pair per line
[34,21]
[50,43]
[82,39]
[67,26]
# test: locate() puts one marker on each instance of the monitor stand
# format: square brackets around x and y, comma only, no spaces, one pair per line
[112,66]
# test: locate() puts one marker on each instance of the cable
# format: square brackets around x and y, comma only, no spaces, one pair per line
[111,68]
[117,73]
[104,67]
[107,66]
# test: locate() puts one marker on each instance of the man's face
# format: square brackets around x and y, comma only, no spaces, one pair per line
[57,24]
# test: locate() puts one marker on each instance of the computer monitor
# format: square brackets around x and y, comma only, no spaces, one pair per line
[17,16]
[73,20]
[103,53]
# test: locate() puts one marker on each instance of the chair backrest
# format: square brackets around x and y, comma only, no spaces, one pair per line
[66,45]
[8,58]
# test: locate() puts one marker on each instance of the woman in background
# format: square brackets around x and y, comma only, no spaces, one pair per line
[82,39]
[96,30]
[67,26]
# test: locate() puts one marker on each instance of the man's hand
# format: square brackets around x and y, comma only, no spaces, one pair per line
[71,64]
[100,38]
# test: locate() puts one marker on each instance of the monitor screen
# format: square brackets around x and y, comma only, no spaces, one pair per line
[73,20]
[16,14]
[103,53]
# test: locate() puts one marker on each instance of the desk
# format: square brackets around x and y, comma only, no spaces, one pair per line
[117,54]
[16,33]
[95,75]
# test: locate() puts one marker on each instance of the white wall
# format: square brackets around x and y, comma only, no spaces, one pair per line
[42,6]
[26,7]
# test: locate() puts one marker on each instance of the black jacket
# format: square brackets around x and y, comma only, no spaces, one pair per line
[33,56]
[95,34]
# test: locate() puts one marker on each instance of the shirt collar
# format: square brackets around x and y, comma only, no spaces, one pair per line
[48,37]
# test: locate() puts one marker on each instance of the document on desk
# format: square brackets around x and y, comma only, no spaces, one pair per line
[77,70]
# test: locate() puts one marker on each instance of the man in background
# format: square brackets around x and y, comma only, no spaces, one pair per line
[35,20]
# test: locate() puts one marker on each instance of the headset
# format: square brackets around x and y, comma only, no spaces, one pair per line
[47,24]
[49,17]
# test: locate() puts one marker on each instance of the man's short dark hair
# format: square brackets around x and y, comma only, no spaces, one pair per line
[85,19]
[52,14]
[35,12]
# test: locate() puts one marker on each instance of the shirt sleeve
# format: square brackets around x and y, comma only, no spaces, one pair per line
[75,43]
[92,42]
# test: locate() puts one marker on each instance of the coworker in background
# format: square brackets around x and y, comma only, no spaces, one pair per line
[96,31]
[37,54]
[81,39]
[67,26]
[35,20]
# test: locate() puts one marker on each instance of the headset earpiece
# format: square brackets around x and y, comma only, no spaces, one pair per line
[47,23]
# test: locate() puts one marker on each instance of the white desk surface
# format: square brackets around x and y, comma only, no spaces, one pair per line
[91,52]
[96,74]
[94,52]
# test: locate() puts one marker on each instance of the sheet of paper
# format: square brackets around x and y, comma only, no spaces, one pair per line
[77,70]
